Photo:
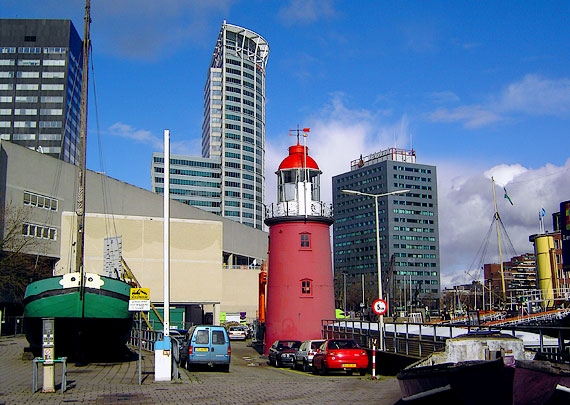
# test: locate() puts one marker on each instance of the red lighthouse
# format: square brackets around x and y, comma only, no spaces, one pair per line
[300,289]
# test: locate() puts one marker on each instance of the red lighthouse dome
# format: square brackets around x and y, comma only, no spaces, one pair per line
[300,289]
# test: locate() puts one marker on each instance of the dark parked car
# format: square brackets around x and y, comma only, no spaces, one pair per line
[282,353]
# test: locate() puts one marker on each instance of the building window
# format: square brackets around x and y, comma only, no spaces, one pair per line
[38,231]
[305,241]
[40,201]
[306,287]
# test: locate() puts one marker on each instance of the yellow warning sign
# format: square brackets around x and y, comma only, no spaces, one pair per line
[140,293]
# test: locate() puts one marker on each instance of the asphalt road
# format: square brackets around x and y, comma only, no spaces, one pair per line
[250,381]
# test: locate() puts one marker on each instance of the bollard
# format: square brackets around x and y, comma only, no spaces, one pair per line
[374,360]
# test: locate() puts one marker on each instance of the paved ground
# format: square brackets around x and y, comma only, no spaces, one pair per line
[250,381]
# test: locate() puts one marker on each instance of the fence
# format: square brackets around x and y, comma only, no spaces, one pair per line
[421,339]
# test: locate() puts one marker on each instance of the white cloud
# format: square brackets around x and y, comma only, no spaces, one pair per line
[472,116]
[466,212]
[533,95]
[156,142]
[306,11]
[339,135]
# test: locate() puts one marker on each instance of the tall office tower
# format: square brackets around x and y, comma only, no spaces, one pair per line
[194,181]
[234,121]
[40,85]
[408,227]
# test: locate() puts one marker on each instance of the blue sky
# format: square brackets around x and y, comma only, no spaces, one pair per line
[477,88]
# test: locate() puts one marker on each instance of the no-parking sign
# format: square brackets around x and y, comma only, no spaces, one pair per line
[379,307]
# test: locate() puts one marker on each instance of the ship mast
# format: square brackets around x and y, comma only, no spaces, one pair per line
[497,219]
[80,203]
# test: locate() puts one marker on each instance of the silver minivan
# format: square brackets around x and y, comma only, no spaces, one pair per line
[207,344]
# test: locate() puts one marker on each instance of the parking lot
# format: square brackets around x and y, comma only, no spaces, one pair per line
[250,381]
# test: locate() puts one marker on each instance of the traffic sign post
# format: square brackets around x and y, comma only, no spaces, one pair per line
[379,307]
[140,301]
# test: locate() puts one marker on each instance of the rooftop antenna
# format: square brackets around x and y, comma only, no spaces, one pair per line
[305,132]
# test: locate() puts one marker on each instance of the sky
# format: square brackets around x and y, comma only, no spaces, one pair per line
[478,89]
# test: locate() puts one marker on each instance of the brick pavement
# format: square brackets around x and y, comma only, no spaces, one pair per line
[249,381]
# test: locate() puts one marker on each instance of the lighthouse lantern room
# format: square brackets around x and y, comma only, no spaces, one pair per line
[300,289]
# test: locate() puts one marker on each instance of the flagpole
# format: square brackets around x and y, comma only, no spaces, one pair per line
[499,241]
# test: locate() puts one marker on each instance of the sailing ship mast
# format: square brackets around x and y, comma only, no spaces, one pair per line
[80,203]
[497,219]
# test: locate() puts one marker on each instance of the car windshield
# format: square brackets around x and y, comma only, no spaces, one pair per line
[343,344]
[317,344]
[293,344]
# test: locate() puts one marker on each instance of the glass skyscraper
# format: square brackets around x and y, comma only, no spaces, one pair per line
[40,85]
[229,178]
[408,224]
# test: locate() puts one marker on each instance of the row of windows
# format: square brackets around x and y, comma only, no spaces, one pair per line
[412,169]
[183,162]
[35,87]
[196,193]
[413,203]
[38,231]
[413,229]
[416,255]
[411,186]
[408,237]
[412,212]
[31,111]
[189,172]
[184,182]
[358,225]
[359,174]
[406,246]
[414,264]
[414,220]
[199,203]
[416,273]
[356,233]
[52,50]
[40,201]
[413,178]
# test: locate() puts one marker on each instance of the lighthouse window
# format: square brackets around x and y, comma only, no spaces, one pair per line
[306,287]
[305,240]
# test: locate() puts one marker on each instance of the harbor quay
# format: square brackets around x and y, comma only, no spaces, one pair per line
[250,381]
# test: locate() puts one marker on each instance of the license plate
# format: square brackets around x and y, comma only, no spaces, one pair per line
[349,365]
[201,349]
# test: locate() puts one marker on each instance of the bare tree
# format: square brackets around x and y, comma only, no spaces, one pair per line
[17,267]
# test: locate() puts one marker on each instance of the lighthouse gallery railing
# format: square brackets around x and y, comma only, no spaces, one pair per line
[291,209]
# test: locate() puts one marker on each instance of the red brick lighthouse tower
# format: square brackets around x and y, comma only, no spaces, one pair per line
[300,289]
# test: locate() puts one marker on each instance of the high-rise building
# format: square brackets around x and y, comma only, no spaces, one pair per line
[408,228]
[40,85]
[233,132]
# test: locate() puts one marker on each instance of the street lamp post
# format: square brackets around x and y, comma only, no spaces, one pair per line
[379,264]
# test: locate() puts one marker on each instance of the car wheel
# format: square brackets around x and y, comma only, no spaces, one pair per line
[314,370]
[278,363]
[324,370]
[226,368]
[272,363]
[348,372]
[306,366]
[362,371]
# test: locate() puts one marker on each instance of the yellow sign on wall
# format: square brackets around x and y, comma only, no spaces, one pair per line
[140,293]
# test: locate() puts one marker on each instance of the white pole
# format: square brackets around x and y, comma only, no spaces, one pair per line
[166,232]
[381,342]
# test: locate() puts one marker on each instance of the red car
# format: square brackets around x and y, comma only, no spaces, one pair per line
[340,354]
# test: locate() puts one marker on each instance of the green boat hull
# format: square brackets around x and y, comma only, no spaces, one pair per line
[97,321]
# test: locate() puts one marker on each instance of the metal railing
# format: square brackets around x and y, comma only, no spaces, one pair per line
[421,339]
[293,209]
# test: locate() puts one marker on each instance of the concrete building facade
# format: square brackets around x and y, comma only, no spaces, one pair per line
[206,252]
[408,224]
[40,85]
